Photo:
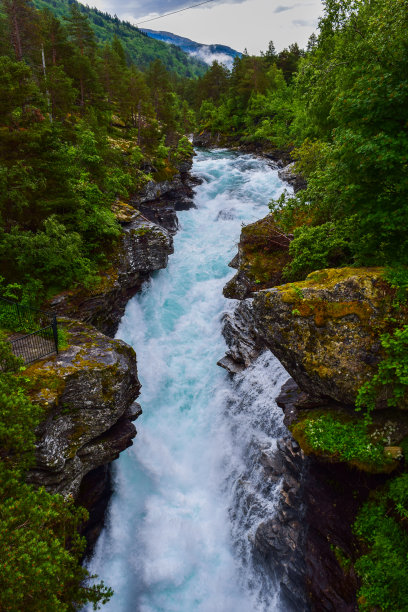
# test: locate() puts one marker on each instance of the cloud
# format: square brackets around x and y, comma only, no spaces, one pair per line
[208,57]
[281,9]
[304,23]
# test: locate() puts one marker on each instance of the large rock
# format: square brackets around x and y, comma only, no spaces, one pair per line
[280,538]
[88,392]
[289,175]
[143,248]
[239,331]
[159,200]
[263,252]
[326,330]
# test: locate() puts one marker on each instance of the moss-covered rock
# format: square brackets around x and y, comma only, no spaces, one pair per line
[263,252]
[88,393]
[326,330]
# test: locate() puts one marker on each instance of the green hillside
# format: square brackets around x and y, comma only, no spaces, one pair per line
[141,49]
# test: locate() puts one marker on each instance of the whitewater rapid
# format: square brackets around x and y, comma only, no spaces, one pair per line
[189,494]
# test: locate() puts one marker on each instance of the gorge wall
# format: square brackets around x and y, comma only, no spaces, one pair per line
[326,332]
[88,390]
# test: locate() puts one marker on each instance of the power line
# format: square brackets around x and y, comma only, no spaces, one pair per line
[174,12]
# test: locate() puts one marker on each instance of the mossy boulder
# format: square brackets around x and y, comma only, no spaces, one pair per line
[263,252]
[326,330]
[88,393]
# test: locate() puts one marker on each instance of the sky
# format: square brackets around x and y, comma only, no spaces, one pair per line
[239,24]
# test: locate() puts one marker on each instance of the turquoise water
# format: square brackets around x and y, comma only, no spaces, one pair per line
[189,493]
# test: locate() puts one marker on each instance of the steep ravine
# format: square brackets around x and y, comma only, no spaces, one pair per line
[277,520]
[189,496]
[88,391]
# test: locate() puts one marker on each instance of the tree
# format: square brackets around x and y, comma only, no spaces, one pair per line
[23,27]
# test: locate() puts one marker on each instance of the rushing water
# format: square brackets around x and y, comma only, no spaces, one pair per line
[189,494]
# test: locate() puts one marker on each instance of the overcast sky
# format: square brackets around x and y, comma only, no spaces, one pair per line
[237,23]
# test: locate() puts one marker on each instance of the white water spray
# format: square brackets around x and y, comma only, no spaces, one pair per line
[190,493]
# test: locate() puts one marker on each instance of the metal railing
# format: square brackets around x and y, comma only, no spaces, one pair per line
[35,332]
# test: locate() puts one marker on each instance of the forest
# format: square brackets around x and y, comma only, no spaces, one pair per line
[90,111]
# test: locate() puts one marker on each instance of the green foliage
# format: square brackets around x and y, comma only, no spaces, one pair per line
[251,104]
[391,379]
[352,95]
[382,569]
[349,440]
[398,493]
[314,248]
[63,160]
[185,149]
[40,551]
[397,277]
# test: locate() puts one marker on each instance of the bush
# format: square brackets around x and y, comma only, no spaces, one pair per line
[382,569]
[392,375]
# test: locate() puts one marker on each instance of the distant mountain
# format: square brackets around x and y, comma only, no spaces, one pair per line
[206,53]
[139,47]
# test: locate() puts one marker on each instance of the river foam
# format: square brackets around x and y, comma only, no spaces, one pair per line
[189,494]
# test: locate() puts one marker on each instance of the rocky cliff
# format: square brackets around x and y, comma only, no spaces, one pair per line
[326,332]
[143,247]
[263,252]
[148,222]
[159,201]
[88,393]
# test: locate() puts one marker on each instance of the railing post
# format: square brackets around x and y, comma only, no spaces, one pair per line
[19,314]
[55,332]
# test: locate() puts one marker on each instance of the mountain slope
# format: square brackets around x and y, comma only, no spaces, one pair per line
[206,53]
[140,48]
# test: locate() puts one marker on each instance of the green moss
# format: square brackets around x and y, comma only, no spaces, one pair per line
[142,231]
[342,437]
[342,558]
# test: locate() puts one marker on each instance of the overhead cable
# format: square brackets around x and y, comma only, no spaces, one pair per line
[174,12]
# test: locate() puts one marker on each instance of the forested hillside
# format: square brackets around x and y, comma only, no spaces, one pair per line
[138,47]
[341,107]
[64,159]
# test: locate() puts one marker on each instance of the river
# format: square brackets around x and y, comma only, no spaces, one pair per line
[189,493]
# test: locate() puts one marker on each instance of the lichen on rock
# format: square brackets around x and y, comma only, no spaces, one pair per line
[88,393]
[326,330]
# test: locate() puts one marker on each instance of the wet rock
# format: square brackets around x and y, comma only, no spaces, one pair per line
[227,214]
[289,175]
[230,365]
[159,201]
[263,252]
[161,213]
[88,393]
[241,337]
[280,540]
[239,287]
